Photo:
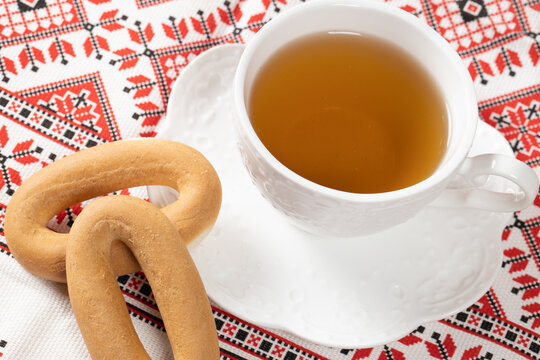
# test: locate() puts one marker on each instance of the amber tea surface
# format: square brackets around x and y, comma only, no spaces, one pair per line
[350,112]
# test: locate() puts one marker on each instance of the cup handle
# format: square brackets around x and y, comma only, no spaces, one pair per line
[465,190]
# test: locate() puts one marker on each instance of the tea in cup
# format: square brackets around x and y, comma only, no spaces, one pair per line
[349,111]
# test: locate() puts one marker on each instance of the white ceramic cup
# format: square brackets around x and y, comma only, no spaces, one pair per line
[326,211]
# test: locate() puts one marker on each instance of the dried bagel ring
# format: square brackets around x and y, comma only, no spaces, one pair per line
[99,170]
[97,302]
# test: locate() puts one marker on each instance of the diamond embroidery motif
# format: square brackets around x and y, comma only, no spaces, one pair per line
[469,23]
[472,9]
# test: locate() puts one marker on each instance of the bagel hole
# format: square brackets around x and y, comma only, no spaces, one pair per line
[162,196]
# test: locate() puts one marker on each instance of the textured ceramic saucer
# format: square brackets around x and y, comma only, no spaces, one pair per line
[353,293]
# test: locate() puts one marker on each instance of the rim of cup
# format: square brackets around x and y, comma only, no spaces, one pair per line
[445,169]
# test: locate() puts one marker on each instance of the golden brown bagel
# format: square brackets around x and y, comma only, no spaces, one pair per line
[95,296]
[100,170]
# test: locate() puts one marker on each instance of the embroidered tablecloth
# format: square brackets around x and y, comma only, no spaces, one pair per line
[76,73]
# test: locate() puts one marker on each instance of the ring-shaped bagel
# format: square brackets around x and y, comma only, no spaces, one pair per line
[97,171]
[97,302]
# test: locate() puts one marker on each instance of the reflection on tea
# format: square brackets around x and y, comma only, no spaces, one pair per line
[350,112]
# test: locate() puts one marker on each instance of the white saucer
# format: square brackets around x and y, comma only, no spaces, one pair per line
[351,293]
